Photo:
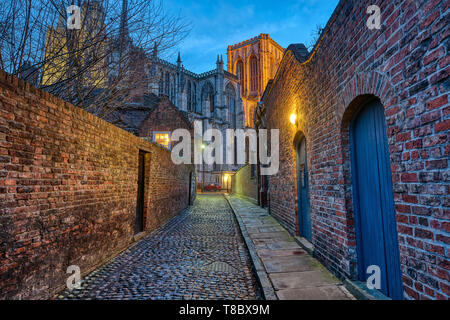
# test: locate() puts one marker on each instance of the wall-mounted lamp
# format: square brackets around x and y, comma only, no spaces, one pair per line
[226,179]
[293,118]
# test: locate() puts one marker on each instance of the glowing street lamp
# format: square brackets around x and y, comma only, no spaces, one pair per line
[226,178]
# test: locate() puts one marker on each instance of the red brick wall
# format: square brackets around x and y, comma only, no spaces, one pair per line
[405,65]
[165,117]
[243,184]
[68,190]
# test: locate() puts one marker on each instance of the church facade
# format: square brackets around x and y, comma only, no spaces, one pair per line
[212,97]
[255,62]
[220,99]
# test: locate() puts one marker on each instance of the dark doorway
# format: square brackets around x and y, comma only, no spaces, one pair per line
[190,189]
[375,222]
[304,211]
[139,224]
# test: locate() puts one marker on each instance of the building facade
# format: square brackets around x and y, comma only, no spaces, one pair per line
[60,57]
[212,97]
[244,183]
[364,153]
[220,99]
[255,62]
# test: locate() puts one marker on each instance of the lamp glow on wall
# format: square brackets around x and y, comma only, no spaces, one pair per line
[226,178]
[293,119]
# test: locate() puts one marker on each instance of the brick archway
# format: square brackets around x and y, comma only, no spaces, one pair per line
[364,83]
[362,87]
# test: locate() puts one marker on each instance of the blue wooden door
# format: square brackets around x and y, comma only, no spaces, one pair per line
[304,210]
[376,228]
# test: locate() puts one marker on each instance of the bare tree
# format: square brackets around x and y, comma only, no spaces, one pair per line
[316,33]
[97,66]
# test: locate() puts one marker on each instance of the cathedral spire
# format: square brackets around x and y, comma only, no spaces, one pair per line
[155,50]
[124,21]
[219,63]
[179,59]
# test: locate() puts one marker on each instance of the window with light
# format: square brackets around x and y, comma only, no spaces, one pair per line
[163,139]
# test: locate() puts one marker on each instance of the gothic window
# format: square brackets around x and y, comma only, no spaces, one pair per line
[194,97]
[211,103]
[208,95]
[235,149]
[253,74]
[231,103]
[161,85]
[189,96]
[166,84]
[172,88]
[240,71]
[272,68]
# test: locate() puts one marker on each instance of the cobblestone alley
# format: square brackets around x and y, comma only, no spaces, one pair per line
[198,255]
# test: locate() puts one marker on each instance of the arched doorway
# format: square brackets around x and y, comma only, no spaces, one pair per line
[304,210]
[375,223]
[139,225]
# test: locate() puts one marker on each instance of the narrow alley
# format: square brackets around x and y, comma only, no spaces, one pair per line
[197,255]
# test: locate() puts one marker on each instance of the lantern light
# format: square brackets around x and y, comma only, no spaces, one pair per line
[293,118]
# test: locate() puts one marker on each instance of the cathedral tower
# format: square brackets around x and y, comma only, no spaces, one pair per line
[256,61]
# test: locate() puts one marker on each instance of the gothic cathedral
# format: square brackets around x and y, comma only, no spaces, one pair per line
[255,62]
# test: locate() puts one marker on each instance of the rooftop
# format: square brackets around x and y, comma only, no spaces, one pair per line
[253,40]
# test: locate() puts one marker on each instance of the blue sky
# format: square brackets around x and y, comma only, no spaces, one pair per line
[217,24]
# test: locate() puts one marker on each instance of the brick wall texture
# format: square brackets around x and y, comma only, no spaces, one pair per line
[243,184]
[165,117]
[406,66]
[68,190]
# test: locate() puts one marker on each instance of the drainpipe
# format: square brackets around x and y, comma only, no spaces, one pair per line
[258,169]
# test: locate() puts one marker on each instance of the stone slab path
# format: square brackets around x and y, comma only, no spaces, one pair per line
[198,255]
[285,269]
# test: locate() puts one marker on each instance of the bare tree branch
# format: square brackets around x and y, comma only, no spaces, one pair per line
[97,67]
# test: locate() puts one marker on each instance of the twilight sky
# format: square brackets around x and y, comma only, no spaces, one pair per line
[219,23]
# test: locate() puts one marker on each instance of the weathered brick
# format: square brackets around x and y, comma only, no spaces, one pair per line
[416,107]
[438,102]
[72,193]
[423,234]
[442,126]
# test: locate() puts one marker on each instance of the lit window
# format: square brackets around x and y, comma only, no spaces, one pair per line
[163,139]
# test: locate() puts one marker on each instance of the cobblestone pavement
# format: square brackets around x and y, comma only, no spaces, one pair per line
[198,255]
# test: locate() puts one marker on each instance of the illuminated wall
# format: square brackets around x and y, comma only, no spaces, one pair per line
[257,61]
